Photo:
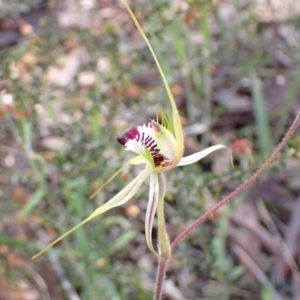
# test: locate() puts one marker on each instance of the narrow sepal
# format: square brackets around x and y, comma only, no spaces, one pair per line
[122,197]
[163,238]
[199,155]
[134,161]
[175,114]
[151,210]
[138,160]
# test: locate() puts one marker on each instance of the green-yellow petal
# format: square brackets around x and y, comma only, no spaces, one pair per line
[122,197]
[175,114]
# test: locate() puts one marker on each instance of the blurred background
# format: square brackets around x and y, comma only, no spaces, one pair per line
[75,74]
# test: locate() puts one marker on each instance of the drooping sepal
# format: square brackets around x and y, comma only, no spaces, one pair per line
[164,246]
[151,210]
[122,197]
[134,161]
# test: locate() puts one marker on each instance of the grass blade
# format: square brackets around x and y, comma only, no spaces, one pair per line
[261,118]
[284,111]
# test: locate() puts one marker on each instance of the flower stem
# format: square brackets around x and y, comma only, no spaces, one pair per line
[242,187]
[160,277]
[163,241]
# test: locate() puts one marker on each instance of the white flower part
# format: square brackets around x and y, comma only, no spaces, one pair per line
[143,133]
[139,139]
[199,155]
[151,209]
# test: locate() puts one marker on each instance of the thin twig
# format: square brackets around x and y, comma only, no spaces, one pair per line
[286,251]
[257,271]
[242,187]
[65,283]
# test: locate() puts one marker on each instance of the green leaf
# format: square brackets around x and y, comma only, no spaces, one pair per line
[34,201]
[285,110]
[261,118]
[12,242]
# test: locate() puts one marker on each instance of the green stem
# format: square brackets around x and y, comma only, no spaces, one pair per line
[161,273]
[163,241]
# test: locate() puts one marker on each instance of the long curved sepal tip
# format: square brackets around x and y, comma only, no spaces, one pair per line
[122,197]
[175,114]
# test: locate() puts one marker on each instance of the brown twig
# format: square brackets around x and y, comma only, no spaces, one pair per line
[242,187]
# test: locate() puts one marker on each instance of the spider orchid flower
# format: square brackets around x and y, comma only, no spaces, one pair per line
[160,148]
[156,147]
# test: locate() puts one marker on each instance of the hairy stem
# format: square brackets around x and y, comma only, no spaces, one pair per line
[242,187]
[160,277]
[163,241]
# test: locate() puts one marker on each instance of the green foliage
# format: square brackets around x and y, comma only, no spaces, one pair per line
[109,257]
[261,117]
